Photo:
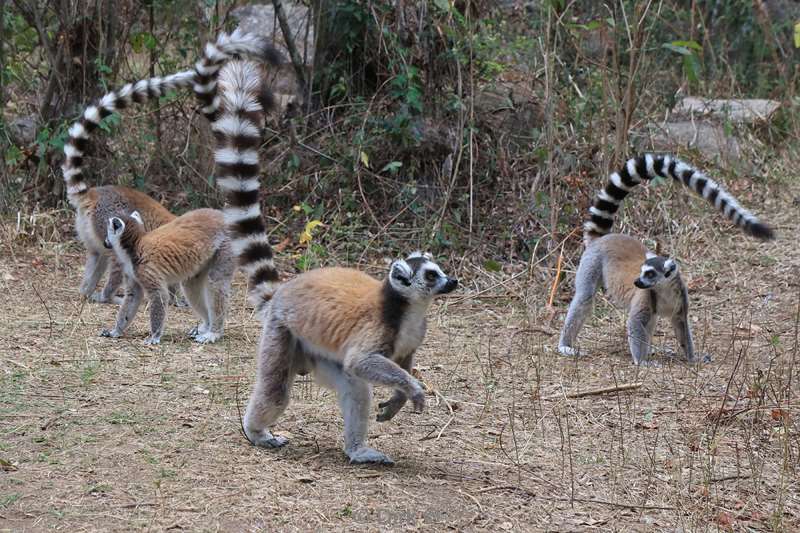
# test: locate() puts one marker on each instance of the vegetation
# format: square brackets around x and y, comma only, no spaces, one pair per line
[474,129]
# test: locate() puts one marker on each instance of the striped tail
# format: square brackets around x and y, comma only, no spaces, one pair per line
[203,79]
[647,167]
[238,135]
[216,54]
[139,92]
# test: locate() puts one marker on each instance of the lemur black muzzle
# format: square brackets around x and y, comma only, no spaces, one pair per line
[107,244]
[450,286]
[640,285]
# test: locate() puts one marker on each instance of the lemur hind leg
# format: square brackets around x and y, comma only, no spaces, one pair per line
[271,392]
[217,293]
[93,270]
[115,279]
[194,289]
[587,281]
[640,335]
[159,300]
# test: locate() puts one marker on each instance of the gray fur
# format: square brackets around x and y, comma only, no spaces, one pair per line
[659,292]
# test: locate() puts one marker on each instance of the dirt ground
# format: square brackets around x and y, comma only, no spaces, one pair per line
[109,434]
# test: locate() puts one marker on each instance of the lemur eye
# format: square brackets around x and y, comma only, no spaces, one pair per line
[649,274]
[431,275]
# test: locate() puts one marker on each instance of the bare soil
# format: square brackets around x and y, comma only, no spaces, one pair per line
[109,434]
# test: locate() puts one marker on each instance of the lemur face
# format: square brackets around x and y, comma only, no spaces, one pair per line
[115,228]
[417,277]
[656,270]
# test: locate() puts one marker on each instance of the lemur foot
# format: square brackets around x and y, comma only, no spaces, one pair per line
[207,337]
[265,439]
[198,330]
[649,363]
[100,298]
[151,340]
[367,455]
[113,333]
[418,399]
[569,351]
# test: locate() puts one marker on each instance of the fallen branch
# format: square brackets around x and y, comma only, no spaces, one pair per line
[604,390]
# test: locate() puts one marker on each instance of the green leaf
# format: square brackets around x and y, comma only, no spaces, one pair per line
[688,44]
[492,266]
[797,35]
[365,159]
[392,167]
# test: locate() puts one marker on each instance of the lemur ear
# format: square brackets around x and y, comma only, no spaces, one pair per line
[670,267]
[117,225]
[418,253]
[137,217]
[401,272]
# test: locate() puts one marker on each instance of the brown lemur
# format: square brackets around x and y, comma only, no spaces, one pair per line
[346,327]
[647,285]
[192,250]
[95,205]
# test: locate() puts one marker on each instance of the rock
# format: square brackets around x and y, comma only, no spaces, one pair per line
[260,19]
[22,130]
[704,136]
[743,111]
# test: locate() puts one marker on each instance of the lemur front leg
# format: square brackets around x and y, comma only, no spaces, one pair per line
[683,332]
[96,264]
[159,299]
[392,406]
[115,279]
[377,369]
[127,310]
[641,324]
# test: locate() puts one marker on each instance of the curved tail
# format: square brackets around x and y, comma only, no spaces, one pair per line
[647,167]
[203,79]
[238,134]
[216,54]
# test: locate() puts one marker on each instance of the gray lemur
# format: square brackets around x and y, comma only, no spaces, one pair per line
[347,328]
[647,285]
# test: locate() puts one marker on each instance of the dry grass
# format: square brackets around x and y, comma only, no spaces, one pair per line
[102,434]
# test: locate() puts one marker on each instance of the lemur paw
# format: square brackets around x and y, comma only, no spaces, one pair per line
[113,333]
[179,301]
[418,399]
[207,337]
[569,351]
[701,358]
[198,329]
[389,408]
[265,439]
[151,341]
[650,363]
[367,455]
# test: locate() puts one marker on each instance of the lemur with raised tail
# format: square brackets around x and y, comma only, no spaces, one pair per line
[95,205]
[647,285]
[346,327]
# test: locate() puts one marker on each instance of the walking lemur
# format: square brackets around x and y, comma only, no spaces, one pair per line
[647,285]
[347,328]
[95,205]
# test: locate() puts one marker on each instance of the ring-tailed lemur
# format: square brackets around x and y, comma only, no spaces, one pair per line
[95,205]
[351,330]
[647,285]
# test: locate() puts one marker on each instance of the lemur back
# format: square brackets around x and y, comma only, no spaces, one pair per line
[647,285]
[346,327]
[95,205]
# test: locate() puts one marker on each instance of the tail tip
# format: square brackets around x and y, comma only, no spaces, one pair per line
[761,231]
[271,56]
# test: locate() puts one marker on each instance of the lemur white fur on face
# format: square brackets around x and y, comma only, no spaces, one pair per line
[418,278]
